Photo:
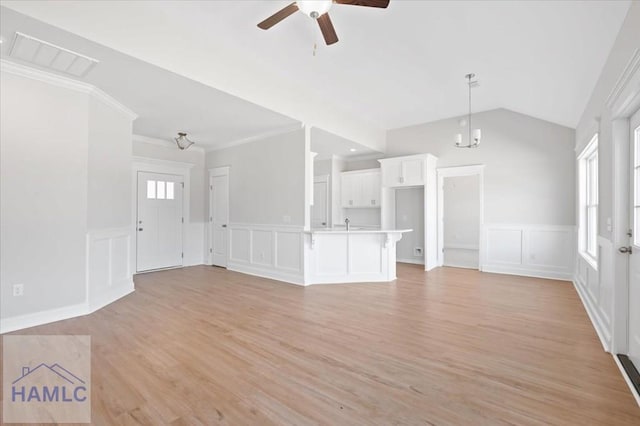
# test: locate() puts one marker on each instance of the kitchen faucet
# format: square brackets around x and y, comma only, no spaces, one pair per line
[346,222]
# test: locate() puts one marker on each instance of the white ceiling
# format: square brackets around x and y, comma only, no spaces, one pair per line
[166,103]
[326,145]
[392,68]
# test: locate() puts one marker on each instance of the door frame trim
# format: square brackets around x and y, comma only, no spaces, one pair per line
[154,165]
[623,102]
[470,170]
[217,172]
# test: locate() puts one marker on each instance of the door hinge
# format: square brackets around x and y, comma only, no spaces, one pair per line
[182,183]
[210,250]
[211,187]
[630,233]
[182,255]
[183,220]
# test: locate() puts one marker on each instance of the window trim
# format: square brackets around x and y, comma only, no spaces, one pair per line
[586,180]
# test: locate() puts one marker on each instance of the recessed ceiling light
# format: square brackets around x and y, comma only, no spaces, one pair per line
[353,150]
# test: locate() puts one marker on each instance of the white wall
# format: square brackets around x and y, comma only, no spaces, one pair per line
[599,287]
[108,168]
[410,215]
[529,185]
[43,208]
[266,179]
[65,199]
[529,174]
[195,244]
[266,205]
[461,199]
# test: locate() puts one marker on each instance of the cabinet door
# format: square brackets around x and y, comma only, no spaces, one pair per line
[348,189]
[371,189]
[392,174]
[413,172]
[376,189]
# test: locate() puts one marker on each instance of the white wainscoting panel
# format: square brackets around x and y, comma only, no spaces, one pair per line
[109,272]
[595,288]
[544,251]
[269,251]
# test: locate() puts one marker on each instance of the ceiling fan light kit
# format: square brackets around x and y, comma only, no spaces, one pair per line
[318,10]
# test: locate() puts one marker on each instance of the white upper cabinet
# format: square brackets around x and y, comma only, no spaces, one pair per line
[361,189]
[404,171]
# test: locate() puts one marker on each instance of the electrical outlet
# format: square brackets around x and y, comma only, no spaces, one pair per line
[417,251]
[18,290]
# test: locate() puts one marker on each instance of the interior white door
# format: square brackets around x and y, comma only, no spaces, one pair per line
[319,210]
[634,258]
[159,221]
[219,219]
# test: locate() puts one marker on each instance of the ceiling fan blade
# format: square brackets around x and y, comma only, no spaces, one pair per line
[278,16]
[370,3]
[328,32]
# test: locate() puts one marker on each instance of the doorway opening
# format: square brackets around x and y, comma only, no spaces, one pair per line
[460,216]
[410,215]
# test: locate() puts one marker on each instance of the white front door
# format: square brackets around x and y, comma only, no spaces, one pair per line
[634,259]
[219,218]
[319,210]
[159,221]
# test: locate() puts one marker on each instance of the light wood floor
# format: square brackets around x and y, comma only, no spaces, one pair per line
[202,345]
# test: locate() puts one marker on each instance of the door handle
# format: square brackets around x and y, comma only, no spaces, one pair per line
[139,229]
[627,250]
[224,226]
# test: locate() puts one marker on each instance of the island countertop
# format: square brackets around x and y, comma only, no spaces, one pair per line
[356,231]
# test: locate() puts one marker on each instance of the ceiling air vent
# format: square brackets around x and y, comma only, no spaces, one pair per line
[49,55]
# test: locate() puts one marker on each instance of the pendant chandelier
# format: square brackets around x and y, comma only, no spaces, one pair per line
[474,135]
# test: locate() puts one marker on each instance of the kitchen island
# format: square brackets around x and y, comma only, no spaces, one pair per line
[333,256]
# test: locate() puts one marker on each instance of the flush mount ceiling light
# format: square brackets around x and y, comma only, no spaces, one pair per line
[182,141]
[474,140]
[48,55]
[318,10]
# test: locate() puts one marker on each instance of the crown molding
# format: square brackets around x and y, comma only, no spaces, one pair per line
[165,143]
[66,83]
[280,131]
[633,65]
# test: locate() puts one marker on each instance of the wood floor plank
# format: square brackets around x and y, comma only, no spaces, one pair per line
[203,345]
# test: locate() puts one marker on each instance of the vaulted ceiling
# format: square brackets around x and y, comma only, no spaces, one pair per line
[391,68]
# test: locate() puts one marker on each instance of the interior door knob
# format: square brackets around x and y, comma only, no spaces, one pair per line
[224,226]
[139,229]
[628,250]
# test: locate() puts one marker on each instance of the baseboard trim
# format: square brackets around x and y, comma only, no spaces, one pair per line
[525,272]
[412,261]
[8,325]
[593,316]
[272,274]
[48,316]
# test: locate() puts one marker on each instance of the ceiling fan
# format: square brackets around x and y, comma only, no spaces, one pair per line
[318,10]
